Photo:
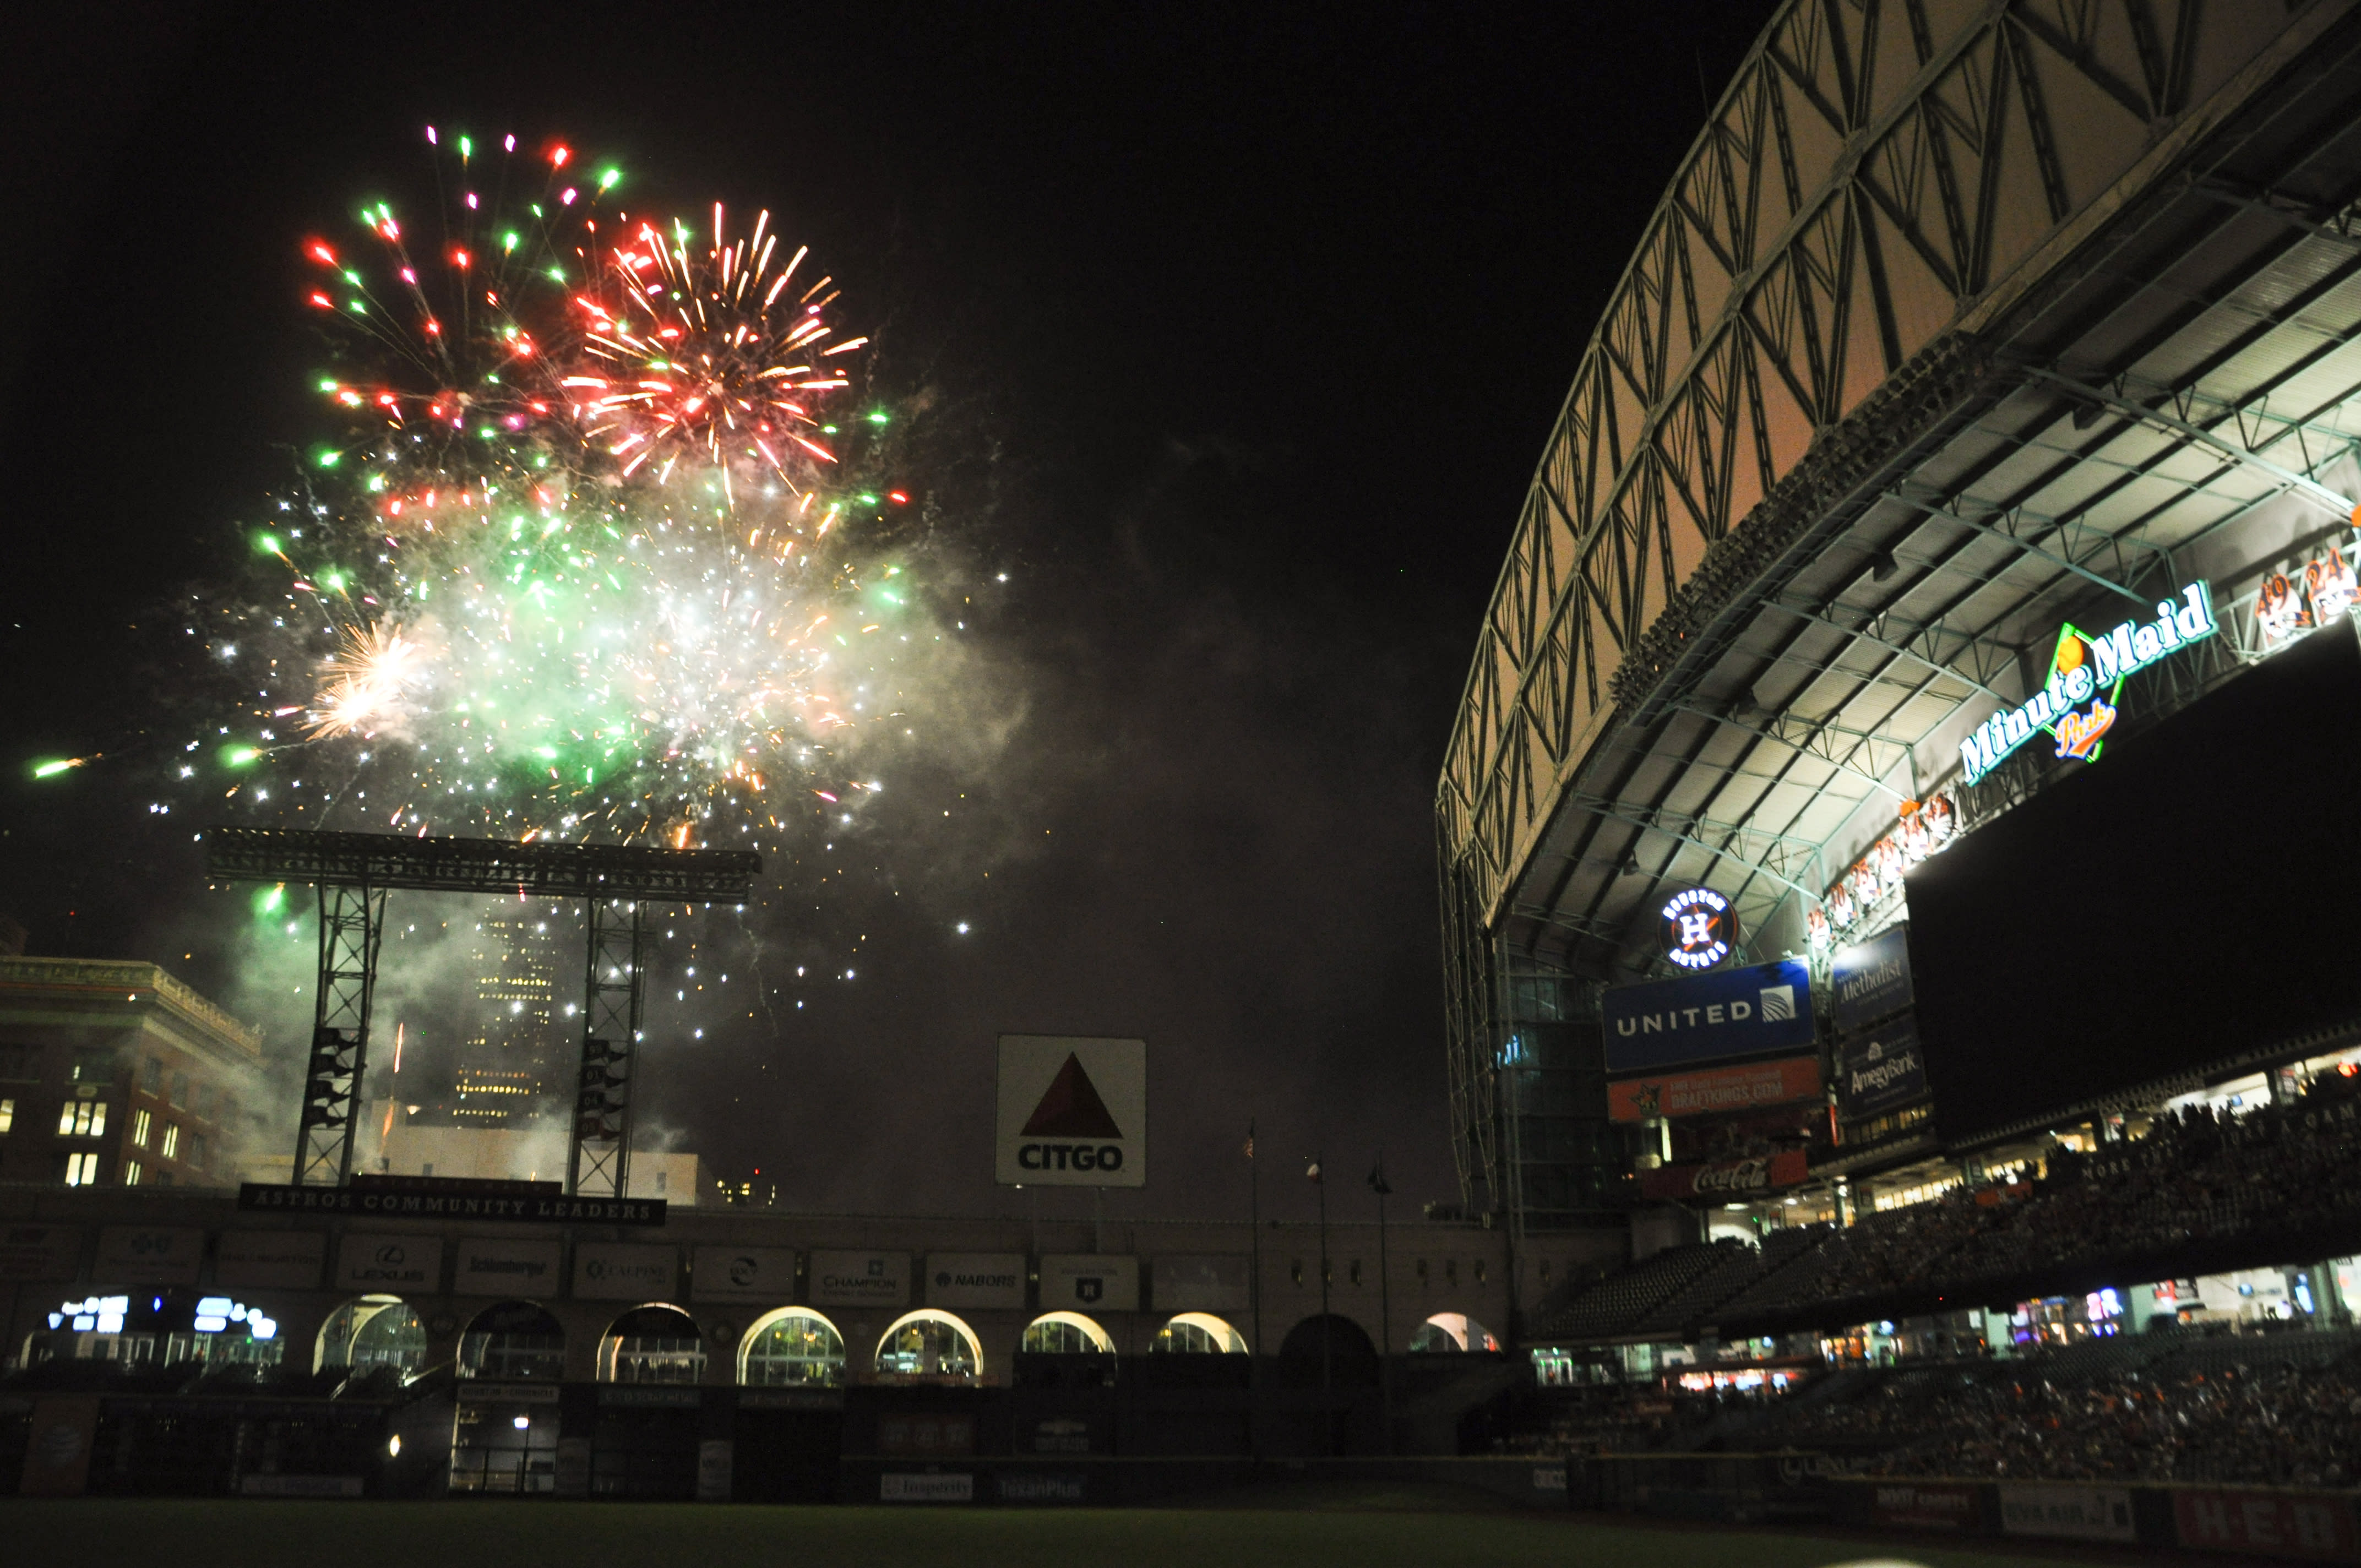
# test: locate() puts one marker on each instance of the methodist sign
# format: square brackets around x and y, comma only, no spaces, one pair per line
[1073,1112]
[1871,980]
[1726,1012]
[2076,706]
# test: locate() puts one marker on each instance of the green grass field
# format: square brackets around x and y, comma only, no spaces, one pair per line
[1371,1529]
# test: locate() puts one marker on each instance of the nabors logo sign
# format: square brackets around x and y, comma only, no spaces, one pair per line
[1073,1111]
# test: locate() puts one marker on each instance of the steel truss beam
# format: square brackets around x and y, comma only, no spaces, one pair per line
[353,873]
[2304,485]
[612,992]
[352,923]
[480,865]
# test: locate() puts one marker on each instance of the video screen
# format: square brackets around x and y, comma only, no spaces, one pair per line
[2180,900]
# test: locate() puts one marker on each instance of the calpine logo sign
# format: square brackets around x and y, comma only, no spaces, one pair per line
[1073,1111]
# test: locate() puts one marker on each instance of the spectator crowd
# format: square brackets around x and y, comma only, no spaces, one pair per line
[2290,1168]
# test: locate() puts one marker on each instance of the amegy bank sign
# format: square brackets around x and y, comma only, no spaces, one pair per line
[1074,1112]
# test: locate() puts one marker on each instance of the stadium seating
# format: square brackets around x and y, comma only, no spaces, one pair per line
[1616,1303]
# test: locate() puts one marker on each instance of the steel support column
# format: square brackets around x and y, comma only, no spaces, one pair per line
[352,921]
[611,996]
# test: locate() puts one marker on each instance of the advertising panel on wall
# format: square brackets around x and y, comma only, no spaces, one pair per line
[1089,1282]
[623,1271]
[1202,1283]
[975,1279]
[2067,1512]
[1715,1090]
[269,1260]
[370,1264]
[1706,1017]
[1726,1179]
[860,1278]
[1882,1071]
[1073,1111]
[41,1252]
[506,1265]
[2268,1523]
[2025,1021]
[148,1254]
[1924,1504]
[1868,980]
[765,1274]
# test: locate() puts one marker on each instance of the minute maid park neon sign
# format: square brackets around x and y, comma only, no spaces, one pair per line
[2076,706]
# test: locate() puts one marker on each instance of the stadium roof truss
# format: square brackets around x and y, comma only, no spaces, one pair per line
[1959,320]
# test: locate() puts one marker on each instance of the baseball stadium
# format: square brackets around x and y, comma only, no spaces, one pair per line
[1903,1053]
[1880,837]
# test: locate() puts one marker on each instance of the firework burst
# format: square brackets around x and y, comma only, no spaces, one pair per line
[450,333]
[706,352]
[599,556]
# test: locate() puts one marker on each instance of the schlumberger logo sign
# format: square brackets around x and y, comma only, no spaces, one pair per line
[2076,706]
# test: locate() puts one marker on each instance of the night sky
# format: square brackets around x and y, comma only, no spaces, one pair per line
[1236,335]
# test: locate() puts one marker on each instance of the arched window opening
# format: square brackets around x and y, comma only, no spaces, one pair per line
[655,1343]
[515,1341]
[1330,1350]
[793,1347]
[373,1335]
[1065,1334]
[1198,1333]
[1453,1332]
[932,1347]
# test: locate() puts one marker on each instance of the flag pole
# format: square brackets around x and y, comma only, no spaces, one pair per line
[1385,1303]
[1254,1293]
[1327,1323]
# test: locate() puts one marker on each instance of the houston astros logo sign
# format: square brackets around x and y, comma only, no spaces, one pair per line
[1700,928]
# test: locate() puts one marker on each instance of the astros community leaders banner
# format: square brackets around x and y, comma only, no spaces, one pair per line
[1074,1112]
[1728,1012]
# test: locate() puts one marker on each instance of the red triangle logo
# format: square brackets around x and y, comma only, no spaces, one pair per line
[1071,1107]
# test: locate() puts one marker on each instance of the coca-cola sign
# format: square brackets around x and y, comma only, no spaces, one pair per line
[1727,1178]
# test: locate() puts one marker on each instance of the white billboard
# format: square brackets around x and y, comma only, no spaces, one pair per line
[1216,1283]
[975,1279]
[1074,1112]
[148,1254]
[390,1265]
[506,1265]
[269,1260]
[1089,1282]
[765,1273]
[860,1280]
[620,1271]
